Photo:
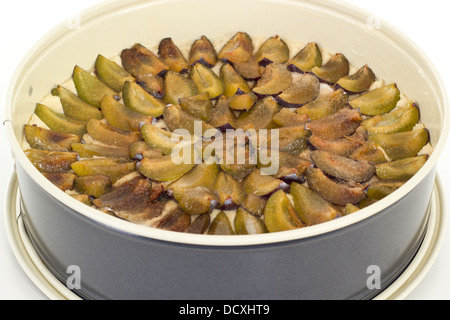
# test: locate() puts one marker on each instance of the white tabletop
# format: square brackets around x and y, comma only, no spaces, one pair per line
[24,22]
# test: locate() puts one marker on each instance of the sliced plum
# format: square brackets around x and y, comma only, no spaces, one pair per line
[334,69]
[199,106]
[343,168]
[402,119]
[260,116]
[197,201]
[263,185]
[207,81]
[378,101]
[172,56]
[280,215]
[249,70]
[221,225]
[110,73]
[229,191]
[369,152]
[222,117]
[200,224]
[108,134]
[311,207]
[304,89]
[140,150]
[90,88]
[246,223]
[272,50]
[51,161]
[202,51]
[152,84]
[287,118]
[403,144]
[163,169]
[99,149]
[324,105]
[58,122]
[339,193]
[275,79]
[242,101]
[343,147]
[338,125]
[121,117]
[402,170]
[139,100]
[139,60]
[74,107]
[44,139]
[381,189]
[307,59]
[255,204]
[114,168]
[64,181]
[177,86]
[238,49]
[94,185]
[176,118]
[359,82]
[233,81]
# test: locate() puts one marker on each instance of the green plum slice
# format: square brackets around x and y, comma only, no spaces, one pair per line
[91,150]
[280,215]
[402,119]
[229,191]
[272,50]
[177,86]
[221,225]
[302,91]
[262,185]
[44,139]
[110,73]
[245,223]
[333,70]
[114,168]
[401,170]
[108,134]
[324,105]
[232,81]
[359,82]
[199,106]
[207,81]
[139,100]
[202,51]
[75,107]
[172,56]
[275,79]
[58,122]
[381,189]
[238,49]
[94,185]
[307,59]
[164,168]
[378,101]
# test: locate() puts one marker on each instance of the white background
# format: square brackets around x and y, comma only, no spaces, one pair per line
[24,22]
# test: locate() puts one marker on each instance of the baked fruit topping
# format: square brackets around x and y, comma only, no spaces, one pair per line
[241,141]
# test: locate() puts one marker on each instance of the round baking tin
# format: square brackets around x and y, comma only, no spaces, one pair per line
[51,287]
[123,260]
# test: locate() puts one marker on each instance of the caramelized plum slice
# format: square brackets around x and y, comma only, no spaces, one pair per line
[150,214]
[369,152]
[126,196]
[141,61]
[246,223]
[308,58]
[74,107]
[325,105]
[202,51]
[303,90]
[176,118]
[255,205]
[99,149]
[200,225]
[338,125]
[94,185]
[272,50]
[177,86]
[343,168]
[275,79]
[292,139]
[151,84]
[43,139]
[139,100]
[242,101]
[280,215]
[381,189]
[333,70]
[249,70]
[163,169]
[342,147]
[238,49]
[140,150]
[359,82]
[58,122]
[286,118]
[172,56]
[260,116]
[203,175]
[114,168]
[402,170]
[229,191]
[402,119]
[51,161]
[175,221]
[233,82]
[402,145]
[198,200]
[333,191]
[90,88]
[378,101]
[105,133]
[199,106]
[221,225]
[110,73]
[119,116]
[238,169]
[222,117]
[207,81]
[263,185]
[311,207]
[64,181]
